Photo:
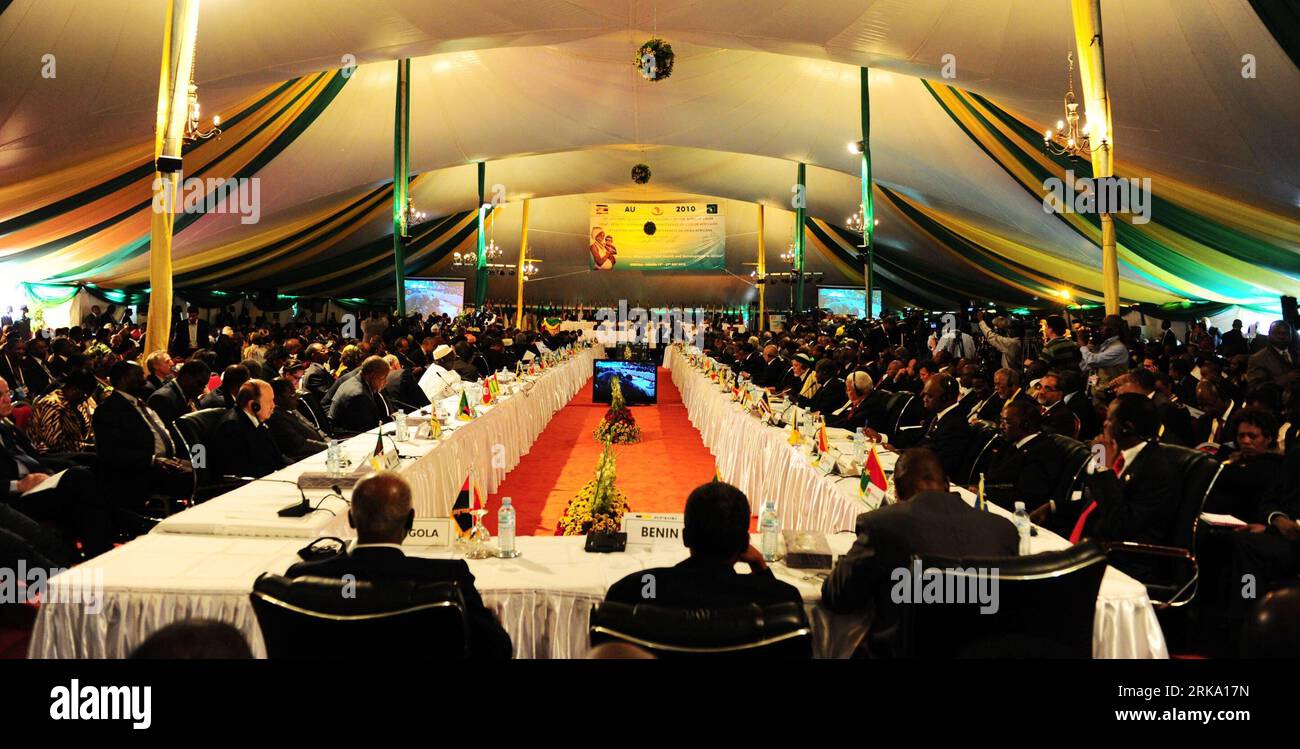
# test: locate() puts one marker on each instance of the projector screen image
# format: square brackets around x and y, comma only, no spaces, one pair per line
[435,295]
[845,301]
[638,380]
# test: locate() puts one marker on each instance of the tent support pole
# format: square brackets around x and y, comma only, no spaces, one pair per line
[800,214]
[519,270]
[762,274]
[868,209]
[1092,71]
[481,274]
[401,177]
[180,30]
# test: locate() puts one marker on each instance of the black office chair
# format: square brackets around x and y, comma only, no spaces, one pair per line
[1170,573]
[1049,599]
[774,631]
[979,454]
[193,429]
[310,407]
[904,419]
[325,618]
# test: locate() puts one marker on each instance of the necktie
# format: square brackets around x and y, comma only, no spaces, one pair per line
[159,432]
[1077,533]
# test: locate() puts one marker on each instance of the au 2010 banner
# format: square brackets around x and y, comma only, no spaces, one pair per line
[657,236]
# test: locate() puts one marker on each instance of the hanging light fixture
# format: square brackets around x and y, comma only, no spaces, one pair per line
[412,217]
[787,257]
[855,222]
[193,130]
[1072,135]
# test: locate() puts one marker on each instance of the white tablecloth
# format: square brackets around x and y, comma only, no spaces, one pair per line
[758,460]
[543,598]
[489,446]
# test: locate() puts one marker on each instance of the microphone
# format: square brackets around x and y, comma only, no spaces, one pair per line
[301,509]
[404,404]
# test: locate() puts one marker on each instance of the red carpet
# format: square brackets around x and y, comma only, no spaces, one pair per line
[656,474]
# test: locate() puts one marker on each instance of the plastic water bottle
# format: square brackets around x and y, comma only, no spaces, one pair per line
[860,445]
[332,458]
[770,526]
[1021,521]
[506,529]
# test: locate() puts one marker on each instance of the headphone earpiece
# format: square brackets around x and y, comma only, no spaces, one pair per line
[257,407]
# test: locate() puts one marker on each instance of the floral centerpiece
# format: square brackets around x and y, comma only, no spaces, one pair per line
[599,507]
[618,426]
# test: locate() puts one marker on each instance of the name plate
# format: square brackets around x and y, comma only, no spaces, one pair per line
[386,462]
[429,532]
[654,528]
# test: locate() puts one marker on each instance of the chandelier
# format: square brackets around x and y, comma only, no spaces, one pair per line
[855,222]
[530,269]
[492,251]
[412,217]
[193,130]
[1071,137]
[787,257]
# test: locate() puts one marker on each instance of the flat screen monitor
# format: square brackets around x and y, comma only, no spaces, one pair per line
[435,296]
[638,380]
[847,301]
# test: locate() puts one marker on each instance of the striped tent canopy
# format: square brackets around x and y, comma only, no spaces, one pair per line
[544,93]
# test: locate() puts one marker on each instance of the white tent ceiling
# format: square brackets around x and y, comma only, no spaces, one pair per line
[544,91]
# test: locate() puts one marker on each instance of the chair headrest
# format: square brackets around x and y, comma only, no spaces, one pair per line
[673,628]
[1031,567]
[321,595]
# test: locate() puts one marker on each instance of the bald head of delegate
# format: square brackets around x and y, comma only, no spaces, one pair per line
[381,509]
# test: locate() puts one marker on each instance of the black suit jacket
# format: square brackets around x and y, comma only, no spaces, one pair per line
[181,343]
[317,380]
[294,435]
[402,386]
[169,402]
[12,440]
[1139,506]
[828,398]
[1026,474]
[237,447]
[333,389]
[123,439]
[1059,419]
[487,639]
[930,523]
[217,399]
[949,438]
[1177,423]
[37,374]
[356,408]
[691,584]
[1089,423]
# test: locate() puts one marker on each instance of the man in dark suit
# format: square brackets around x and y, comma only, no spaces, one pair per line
[158,370]
[177,396]
[296,437]
[774,368]
[1233,342]
[40,380]
[401,388]
[717,533]
[1028,465]
[233,377]
[75,505]
[190,335]
[1212,426]
[1071,380]
[359,404]
[241,444]
[948,433]
[864,409]
[1057,416]
[750,362]
[382,514]
[1135,496]
[928,519]
[317,379]
[1276,362]
[137,456]
[1175,422]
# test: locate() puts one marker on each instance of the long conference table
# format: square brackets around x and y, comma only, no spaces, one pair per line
[759,460]
[201,563]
